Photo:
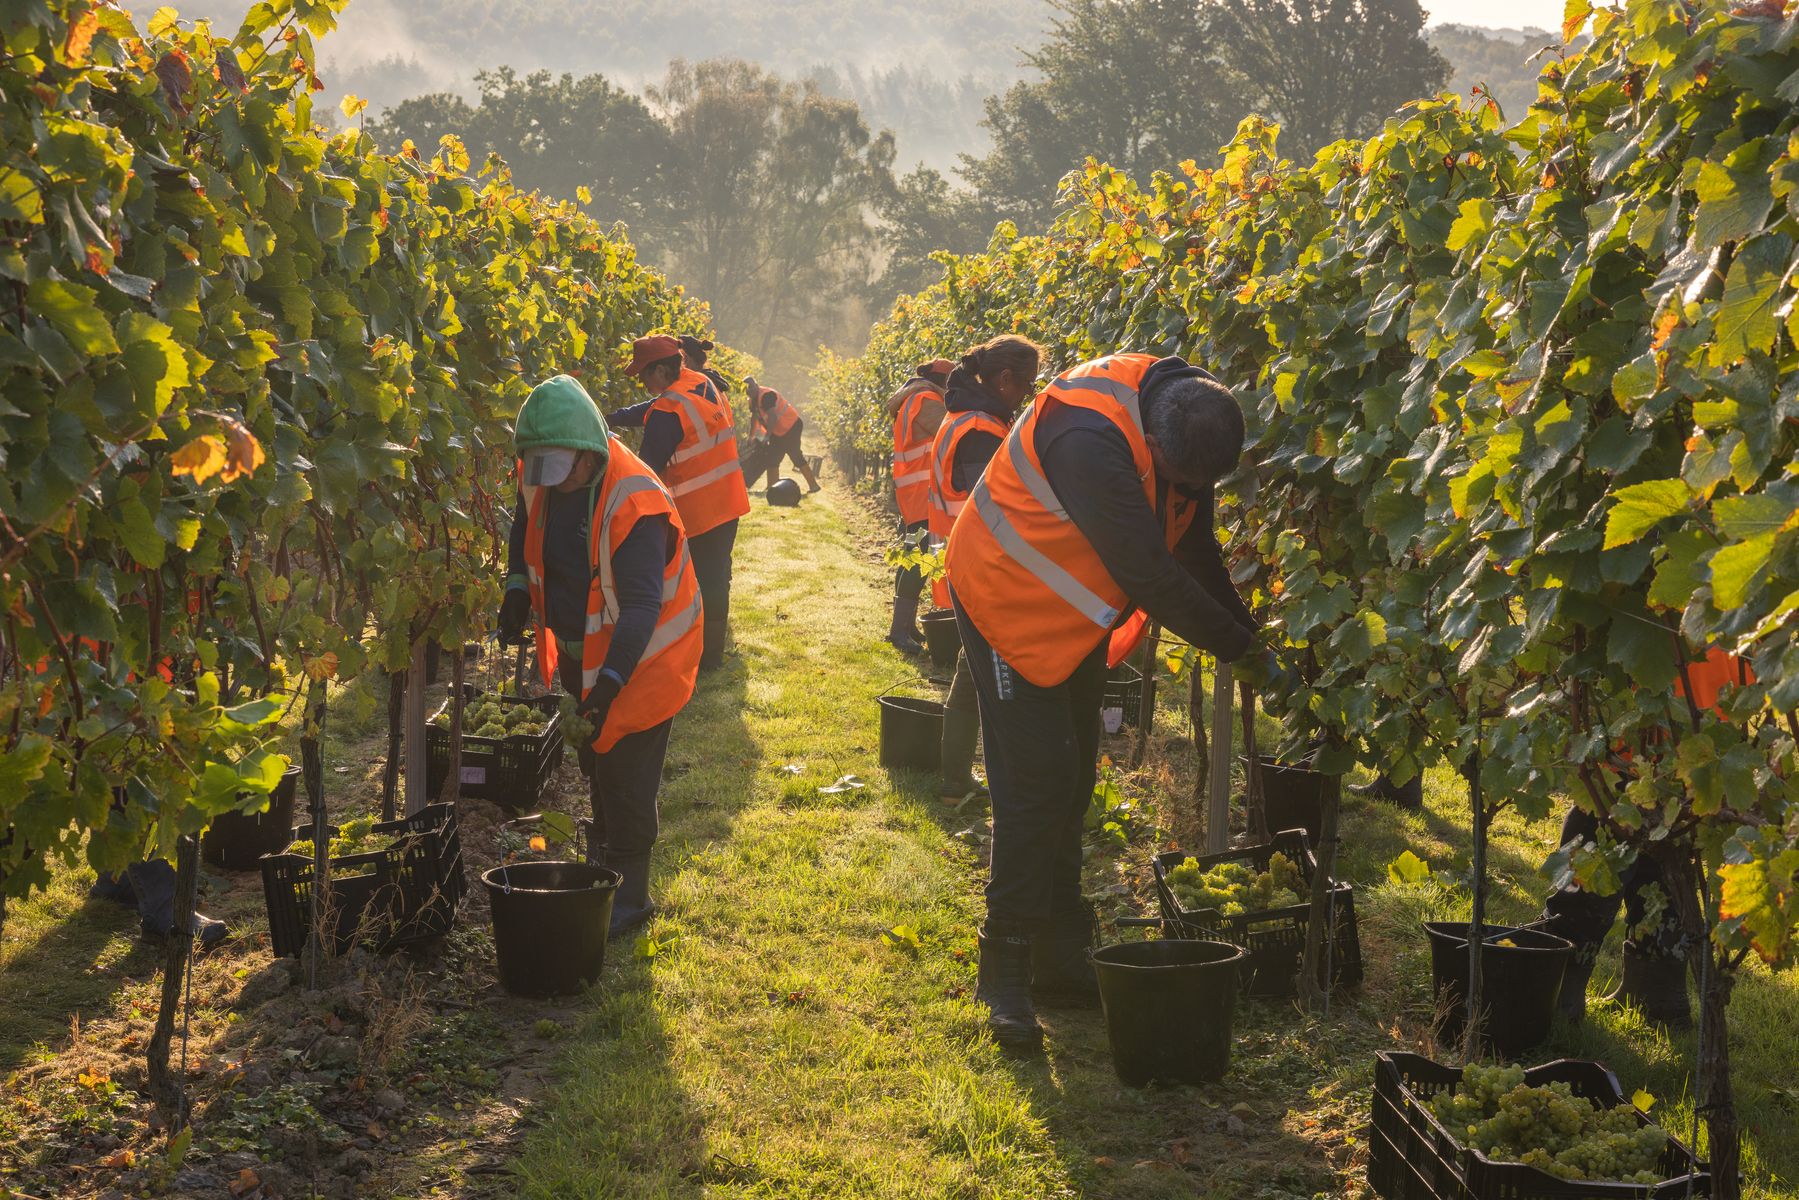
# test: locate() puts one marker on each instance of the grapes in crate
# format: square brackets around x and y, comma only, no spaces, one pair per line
[1234,888]
[1548,1127]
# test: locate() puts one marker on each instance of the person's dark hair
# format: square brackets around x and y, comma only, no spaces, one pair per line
[1199,426]
[698,348]
[1008,352]
[673,362]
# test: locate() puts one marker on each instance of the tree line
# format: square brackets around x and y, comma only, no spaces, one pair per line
[780,201]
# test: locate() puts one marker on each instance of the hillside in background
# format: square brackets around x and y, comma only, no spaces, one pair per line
[922,69]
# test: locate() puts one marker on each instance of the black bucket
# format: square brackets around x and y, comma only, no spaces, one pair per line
[1169,1006]
[1293,793]
[549,924]
[911,734]
[1520,984]
[942,637]
[238,840]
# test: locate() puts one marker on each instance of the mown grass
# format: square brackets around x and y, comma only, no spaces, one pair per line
[777,1046]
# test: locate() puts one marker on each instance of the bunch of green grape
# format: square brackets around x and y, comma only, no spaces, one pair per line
[493,718]
[1548,1127]
[1232,888]
[355,836]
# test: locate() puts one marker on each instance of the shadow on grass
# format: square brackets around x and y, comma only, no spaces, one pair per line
[68,957]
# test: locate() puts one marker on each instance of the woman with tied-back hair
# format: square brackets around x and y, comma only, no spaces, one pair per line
[985,392]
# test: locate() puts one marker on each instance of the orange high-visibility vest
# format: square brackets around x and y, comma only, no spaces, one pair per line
[912,456]
[703,474]
[663,681]
[782,419]
[1032,583]
[1706,679]
[946,502]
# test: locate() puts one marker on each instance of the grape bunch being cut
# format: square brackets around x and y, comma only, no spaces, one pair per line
[1548,1127]
[1234,888]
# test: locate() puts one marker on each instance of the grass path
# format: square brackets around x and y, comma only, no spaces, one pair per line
[776,1046]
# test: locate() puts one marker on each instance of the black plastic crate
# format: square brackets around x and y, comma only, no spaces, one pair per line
[1413,1157]
[1124,695]
[511,772]
[1274,937]
[237,840]
[406,892]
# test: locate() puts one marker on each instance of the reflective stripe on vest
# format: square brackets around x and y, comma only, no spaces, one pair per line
[911,457]
[945,501]
[1033,584]
[703,473]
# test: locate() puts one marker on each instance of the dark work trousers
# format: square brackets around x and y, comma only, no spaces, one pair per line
[962,697]
[786,446]
[149,885]
[910,581]
[1584,918]
[1042,757]
[621,783]
[712,568]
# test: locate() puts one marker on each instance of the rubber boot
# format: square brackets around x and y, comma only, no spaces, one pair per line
[1656,983]
[1005,988]
[810,477]
[1409,795]
[632,906]
[1061,969]
[902,634]
[961,730]
[1571,1006]
[715,633]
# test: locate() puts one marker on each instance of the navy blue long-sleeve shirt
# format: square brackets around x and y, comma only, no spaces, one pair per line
[661,432]
[637,568]
[1088,465]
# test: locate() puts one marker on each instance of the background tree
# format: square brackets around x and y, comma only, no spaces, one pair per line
[1139,84]
[558,134]
[774,185]
[1327,69]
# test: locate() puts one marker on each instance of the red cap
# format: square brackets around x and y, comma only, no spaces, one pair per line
[647,350]
[937,368]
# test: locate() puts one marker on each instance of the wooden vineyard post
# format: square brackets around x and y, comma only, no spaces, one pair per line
[416,794]
[1218,796]
[1146,702]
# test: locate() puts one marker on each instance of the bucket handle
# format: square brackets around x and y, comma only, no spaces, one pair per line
[902,680]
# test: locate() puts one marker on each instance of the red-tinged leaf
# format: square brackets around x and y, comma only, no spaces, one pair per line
[77,47]
[176,77]
[229,73]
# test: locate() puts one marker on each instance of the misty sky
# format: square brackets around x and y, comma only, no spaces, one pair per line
[1499,14]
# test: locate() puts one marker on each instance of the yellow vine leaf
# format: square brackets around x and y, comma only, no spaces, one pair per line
[201,458]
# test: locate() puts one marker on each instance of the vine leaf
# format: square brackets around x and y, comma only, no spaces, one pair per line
[1640,506]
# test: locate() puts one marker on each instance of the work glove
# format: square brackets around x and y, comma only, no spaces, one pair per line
[515,611]
[598,701]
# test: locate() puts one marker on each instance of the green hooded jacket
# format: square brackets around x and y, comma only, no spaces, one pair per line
[559,412]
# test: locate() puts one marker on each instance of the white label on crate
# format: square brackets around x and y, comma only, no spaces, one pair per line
[1113,718]
[475,775]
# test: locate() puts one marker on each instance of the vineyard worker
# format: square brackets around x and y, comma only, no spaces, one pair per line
[985,392]
[1655,970]
[599,558]
[1099,501]
[690,441]
[917,410]
[695,352]
[770,412]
